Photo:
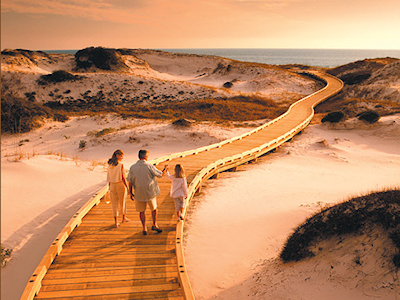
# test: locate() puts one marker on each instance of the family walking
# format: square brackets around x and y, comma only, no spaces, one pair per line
[143,188]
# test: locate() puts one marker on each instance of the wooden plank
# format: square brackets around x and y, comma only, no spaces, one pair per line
[109,284]
[172,295]
[109,291]
[54,273]
[108,277]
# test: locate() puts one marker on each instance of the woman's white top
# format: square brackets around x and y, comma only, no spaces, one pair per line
[114,173]
[178,186]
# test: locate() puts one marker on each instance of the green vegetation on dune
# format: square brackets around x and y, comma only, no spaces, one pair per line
[376,209]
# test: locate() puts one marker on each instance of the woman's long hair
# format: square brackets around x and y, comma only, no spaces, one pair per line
[114,160]
[179,171]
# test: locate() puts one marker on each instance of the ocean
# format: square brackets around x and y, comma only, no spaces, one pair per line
[313,57]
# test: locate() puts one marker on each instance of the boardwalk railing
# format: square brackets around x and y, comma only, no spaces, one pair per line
[34,284]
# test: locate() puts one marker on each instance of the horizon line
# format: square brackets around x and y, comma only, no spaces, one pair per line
[204,48]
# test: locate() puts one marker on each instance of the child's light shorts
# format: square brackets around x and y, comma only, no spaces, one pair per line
[179,203]
[141,206]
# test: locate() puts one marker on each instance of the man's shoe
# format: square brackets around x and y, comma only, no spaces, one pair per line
[156,229]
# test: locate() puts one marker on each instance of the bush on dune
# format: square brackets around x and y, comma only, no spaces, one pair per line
[380,208]
[99,57]
[5,255]
[21,115]
[355,78]
[369,116]
[57,76]
[333,117]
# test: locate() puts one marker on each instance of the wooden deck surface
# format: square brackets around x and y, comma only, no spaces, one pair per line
[99,261]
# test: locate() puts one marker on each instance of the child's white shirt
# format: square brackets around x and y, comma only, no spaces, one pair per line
[178,186]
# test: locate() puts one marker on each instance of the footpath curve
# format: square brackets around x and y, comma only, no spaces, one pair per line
[91,259]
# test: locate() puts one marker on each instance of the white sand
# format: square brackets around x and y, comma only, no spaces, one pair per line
[240,221]
[46,178]
[238,225]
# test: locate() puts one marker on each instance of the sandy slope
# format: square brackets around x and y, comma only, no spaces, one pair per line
[239,224]
[149,76]
[325,165]
[46,178]
[371,79]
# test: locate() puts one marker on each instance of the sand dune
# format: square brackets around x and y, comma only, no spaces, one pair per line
[238,225]
[325,165]
[148,76]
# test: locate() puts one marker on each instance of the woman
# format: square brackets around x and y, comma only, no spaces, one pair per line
[117,185]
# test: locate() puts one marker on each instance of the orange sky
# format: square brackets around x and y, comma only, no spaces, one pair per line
[76,24]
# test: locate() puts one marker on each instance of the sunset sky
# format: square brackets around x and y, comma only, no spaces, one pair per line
[76,24]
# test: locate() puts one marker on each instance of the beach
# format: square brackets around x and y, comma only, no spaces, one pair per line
[237,226]
[47,178]
[232,231]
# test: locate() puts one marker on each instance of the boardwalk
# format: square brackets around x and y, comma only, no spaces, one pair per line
[91,259]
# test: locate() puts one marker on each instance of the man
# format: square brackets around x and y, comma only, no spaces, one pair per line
[142,177]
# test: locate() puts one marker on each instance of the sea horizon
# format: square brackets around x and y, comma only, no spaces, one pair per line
[327,58]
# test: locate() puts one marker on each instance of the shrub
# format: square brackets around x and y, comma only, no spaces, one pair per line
[57,76]
[102,58]
[5,255]
[30,96]
[21,115]
[381,208]
[369,116]
[228,85]
[82,144]
[182,123]
[333,117]
[133,139]
[60,116]
[396,260]
[105,131]
[355,78]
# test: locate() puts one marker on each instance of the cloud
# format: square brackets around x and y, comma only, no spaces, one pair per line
[261,4]
[134,11]
[119,11]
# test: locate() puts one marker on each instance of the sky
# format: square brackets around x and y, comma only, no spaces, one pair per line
[161,24]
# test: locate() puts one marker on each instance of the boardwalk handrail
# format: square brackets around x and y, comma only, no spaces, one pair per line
[34,284]
[230,162]
[239,137]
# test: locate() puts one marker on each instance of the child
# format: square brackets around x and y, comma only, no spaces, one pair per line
[179,189]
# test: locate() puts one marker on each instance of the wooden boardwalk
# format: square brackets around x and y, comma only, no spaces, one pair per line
[91,259]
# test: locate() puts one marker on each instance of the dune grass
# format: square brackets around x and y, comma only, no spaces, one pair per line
[352,216]
[238,108]
[21,115]
[5,255]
